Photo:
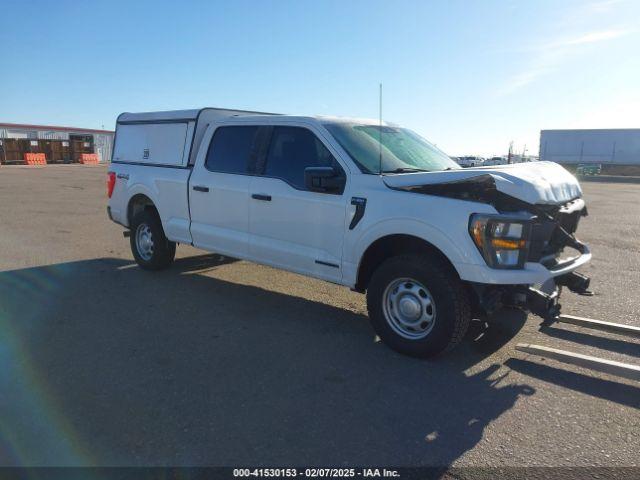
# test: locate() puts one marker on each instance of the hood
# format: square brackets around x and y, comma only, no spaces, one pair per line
[536,183]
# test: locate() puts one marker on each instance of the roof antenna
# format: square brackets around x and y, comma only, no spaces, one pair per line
[380,134]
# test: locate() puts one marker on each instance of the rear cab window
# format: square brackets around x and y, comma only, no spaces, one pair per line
[233,150]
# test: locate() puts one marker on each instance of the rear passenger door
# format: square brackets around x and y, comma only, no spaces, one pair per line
[291,227]
[219,190]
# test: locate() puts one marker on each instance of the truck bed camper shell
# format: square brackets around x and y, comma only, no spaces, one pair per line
[167,138]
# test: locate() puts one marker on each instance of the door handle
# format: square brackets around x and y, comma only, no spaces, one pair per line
[200,188]
[260,196]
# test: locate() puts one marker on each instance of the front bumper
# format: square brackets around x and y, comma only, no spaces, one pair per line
[531,274]
[552,231]
[541,298]
[569,265]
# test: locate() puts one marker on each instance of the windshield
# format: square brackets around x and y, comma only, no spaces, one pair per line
[401,149]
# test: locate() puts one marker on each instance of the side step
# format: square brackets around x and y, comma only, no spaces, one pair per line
[611,367]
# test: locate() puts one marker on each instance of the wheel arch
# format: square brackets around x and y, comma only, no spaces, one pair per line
[392,245]
[137,203]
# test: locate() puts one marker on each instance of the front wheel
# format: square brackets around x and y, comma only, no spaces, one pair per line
[149,245]
[418,306]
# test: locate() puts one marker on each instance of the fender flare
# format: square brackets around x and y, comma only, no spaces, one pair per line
[415,228]
[141,189]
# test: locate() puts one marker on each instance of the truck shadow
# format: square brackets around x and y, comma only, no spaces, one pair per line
[106,364]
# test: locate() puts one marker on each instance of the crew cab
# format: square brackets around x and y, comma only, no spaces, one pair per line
[361,203]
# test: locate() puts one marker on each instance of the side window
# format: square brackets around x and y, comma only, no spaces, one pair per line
[231,149]
[292,149]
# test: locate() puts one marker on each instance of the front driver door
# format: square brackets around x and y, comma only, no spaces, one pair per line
[289,226]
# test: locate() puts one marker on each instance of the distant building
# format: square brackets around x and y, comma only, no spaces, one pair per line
[59,144]
[603,146]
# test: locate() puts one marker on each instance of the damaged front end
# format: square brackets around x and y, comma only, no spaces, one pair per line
[552,241]
[553,244]
[521,234]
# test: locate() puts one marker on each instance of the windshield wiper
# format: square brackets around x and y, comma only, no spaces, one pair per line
[405,170]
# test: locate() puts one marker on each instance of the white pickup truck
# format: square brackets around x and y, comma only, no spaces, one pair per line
[372,206]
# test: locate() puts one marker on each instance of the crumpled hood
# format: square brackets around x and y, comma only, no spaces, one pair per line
[545,183]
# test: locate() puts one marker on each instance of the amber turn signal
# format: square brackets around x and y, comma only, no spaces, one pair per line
[508,244]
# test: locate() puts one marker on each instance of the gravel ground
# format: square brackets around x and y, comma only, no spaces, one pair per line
[220,362]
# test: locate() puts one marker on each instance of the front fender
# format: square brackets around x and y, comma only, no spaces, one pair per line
[410,226]
[459,249]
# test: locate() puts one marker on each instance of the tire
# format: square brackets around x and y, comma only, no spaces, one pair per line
[418,306]
[149,245]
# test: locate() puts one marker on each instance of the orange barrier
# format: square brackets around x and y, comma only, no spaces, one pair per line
[89,158]
[35,159]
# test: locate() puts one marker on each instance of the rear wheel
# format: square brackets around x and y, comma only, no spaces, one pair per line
[149,245]
[418,306]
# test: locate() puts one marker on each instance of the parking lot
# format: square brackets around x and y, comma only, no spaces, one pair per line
[222,362]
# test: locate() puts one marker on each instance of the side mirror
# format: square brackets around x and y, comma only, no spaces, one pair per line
[323,179]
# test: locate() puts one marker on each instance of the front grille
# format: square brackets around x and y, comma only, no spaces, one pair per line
[541,233]
[546,239]
[569,215]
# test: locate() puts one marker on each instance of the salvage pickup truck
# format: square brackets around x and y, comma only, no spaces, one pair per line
[365,204]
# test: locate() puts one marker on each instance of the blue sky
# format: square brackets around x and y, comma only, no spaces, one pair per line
[468,75]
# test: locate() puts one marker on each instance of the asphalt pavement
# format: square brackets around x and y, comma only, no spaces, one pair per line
[223,362]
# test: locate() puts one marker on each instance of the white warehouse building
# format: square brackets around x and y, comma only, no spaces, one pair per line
[603,146]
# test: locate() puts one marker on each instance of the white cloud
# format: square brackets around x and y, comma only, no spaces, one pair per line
[549,56]
[524,78]
[594,37]
[602,6]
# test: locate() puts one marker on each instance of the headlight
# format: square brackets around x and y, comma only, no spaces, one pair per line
[502,240]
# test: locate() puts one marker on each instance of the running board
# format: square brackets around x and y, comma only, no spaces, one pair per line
[611,367]
[619,328]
